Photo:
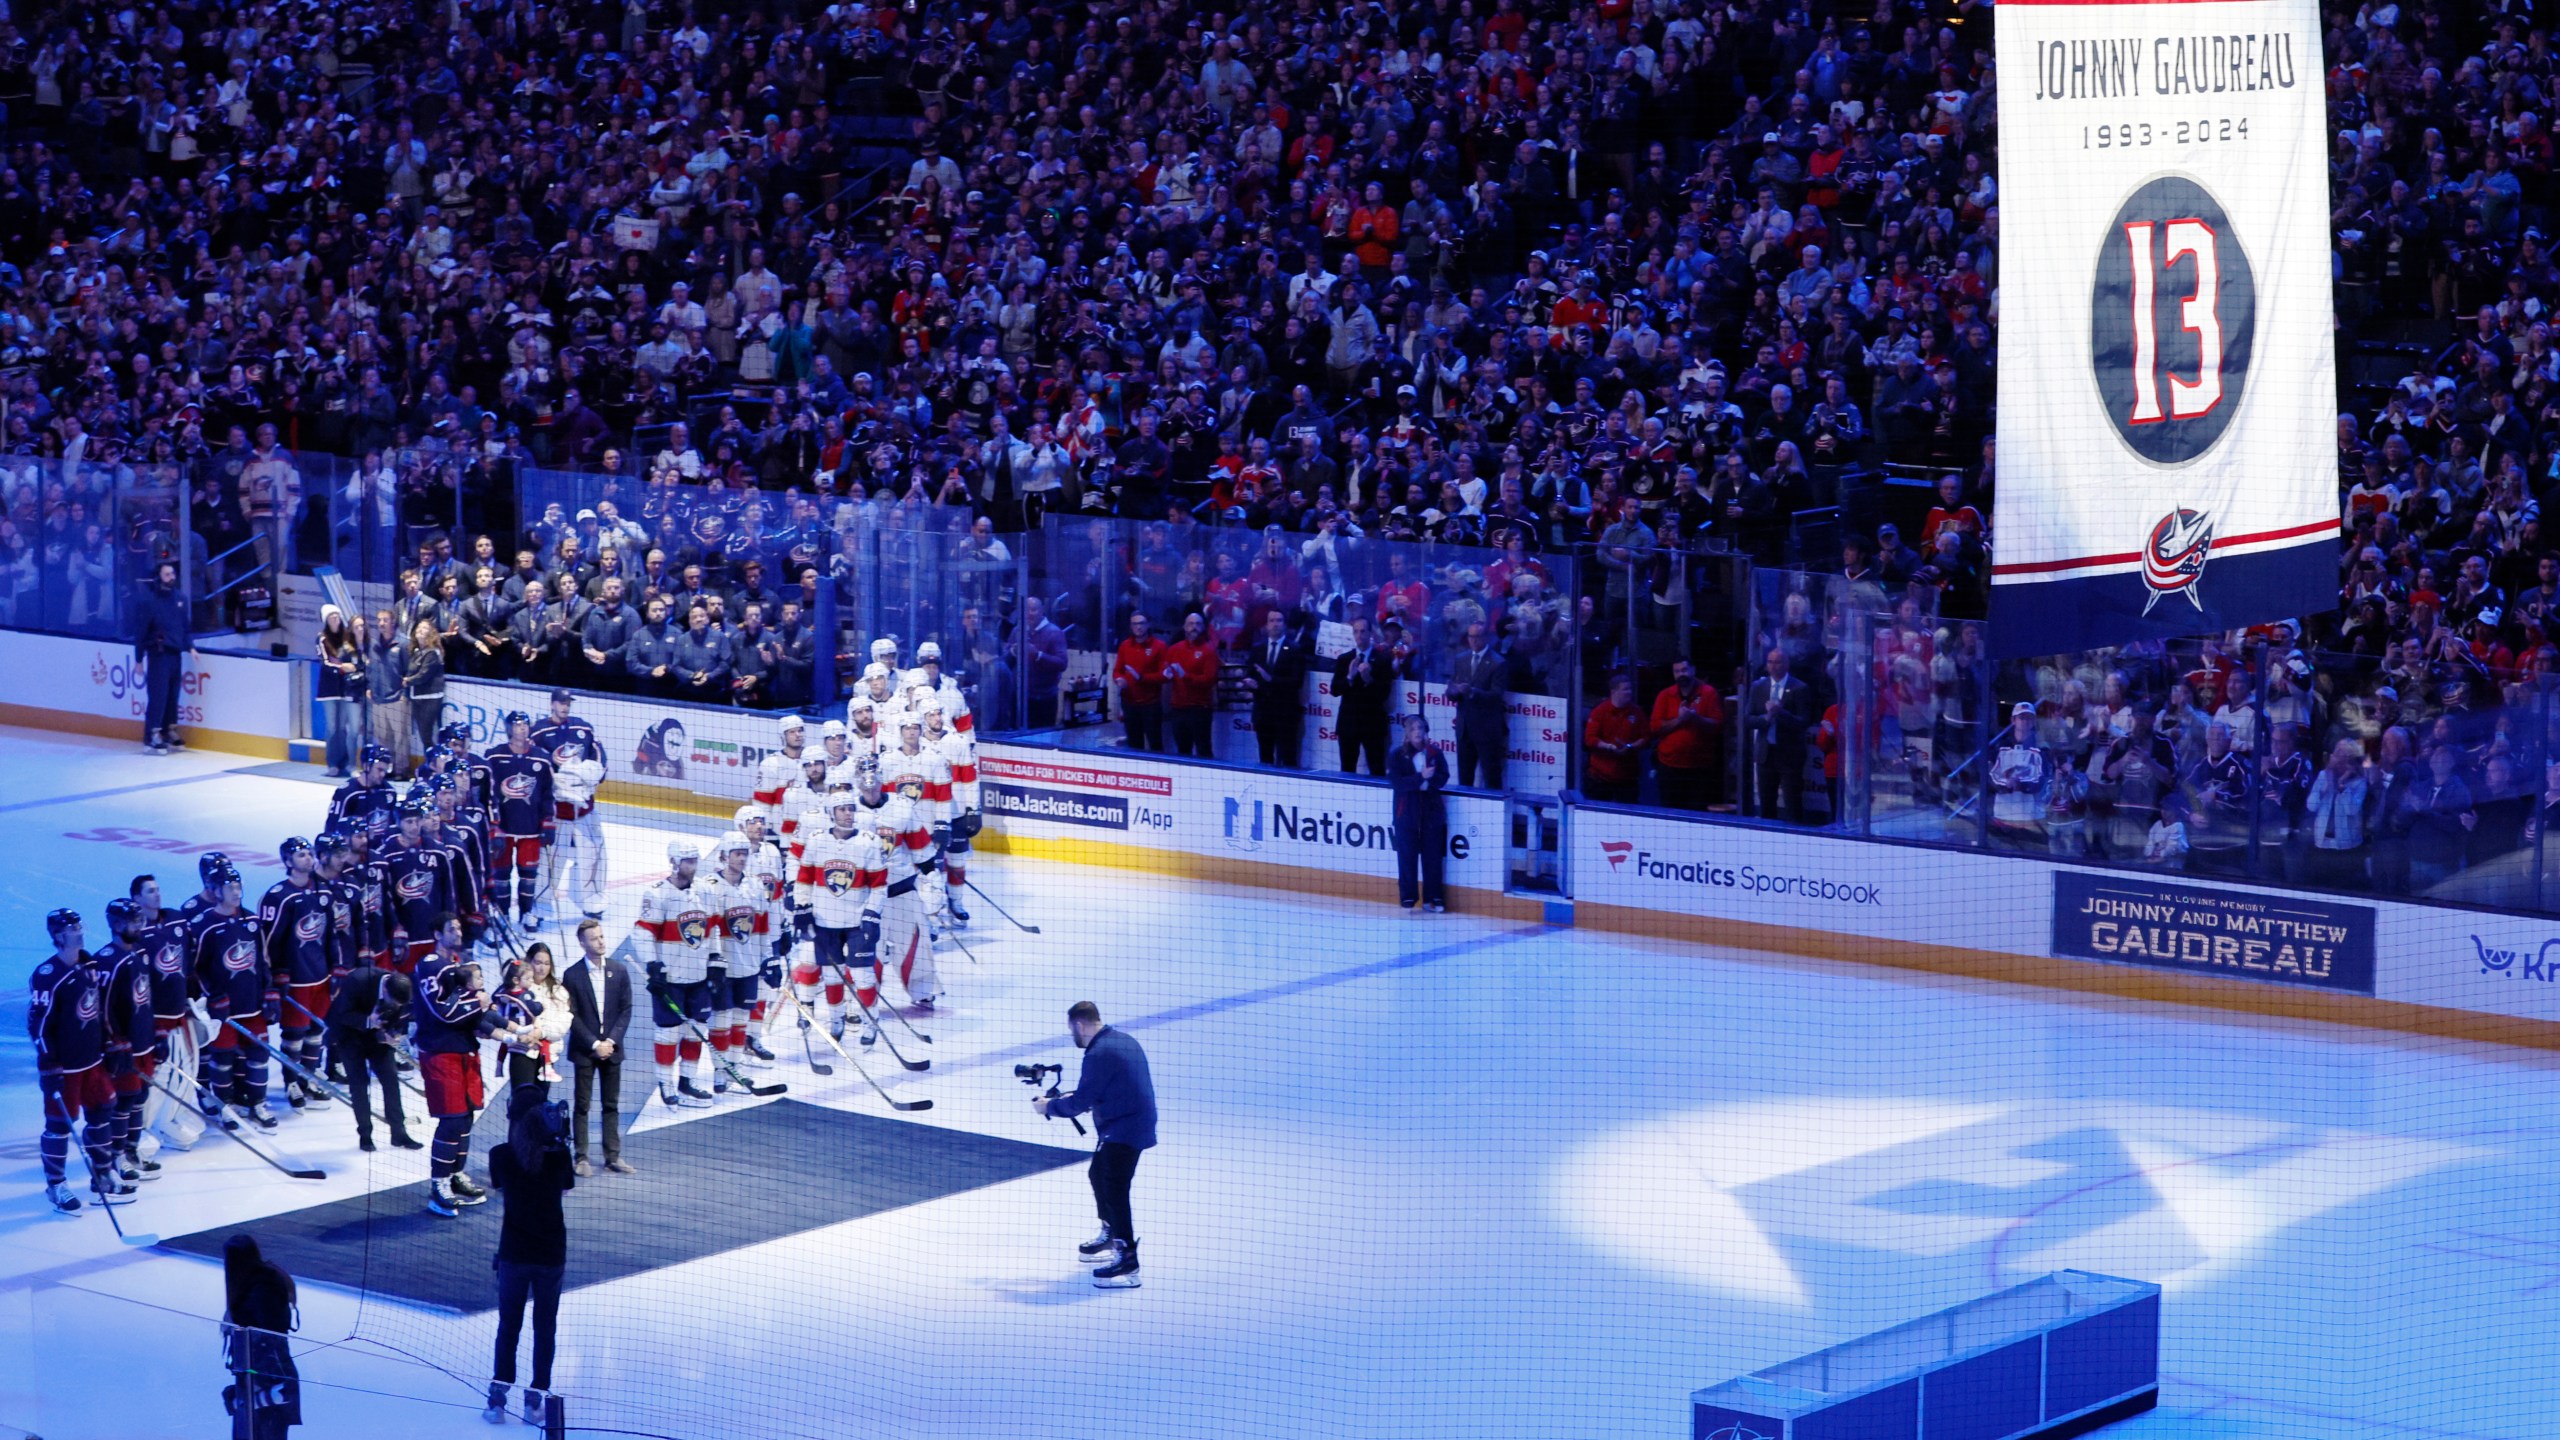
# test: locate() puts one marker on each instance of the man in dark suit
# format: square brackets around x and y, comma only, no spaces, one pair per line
[1364,681]
[368,1008]
[1780,717]
[1420,774]
[1279,671]
[1484,722]
[599,1017]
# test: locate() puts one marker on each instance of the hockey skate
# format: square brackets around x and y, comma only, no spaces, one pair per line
[60,1197]
[691,1093]
[260,1116]
[464,1191]
[756,1048]
[1121,1274]
[134,1165]
[870,1031]
[109,1189]
[719,1081]
[294,1095]
[1096,1247]
[440,1200]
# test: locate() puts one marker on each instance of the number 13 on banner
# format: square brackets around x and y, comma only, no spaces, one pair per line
[2173,317]
[2187,239]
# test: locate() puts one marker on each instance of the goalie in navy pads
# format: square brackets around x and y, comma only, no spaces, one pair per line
[231,970]
[297,930]
[675,937]
[578,831]
[369,791]
[520,776]
[123,970]
[451,1012]
[66,1018]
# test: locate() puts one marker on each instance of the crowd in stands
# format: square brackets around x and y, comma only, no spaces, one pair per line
[1632,283]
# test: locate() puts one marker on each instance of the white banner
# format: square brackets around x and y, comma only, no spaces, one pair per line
[100,678]
[2167,390]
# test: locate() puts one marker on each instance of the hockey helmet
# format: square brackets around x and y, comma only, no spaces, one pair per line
[929,653]
[514,718]
[416,805]
[330,844]
[443,782]
[832,730]
[681,849]
[59,921]
[875,671]
[729,841]
[454,732]
[792,725]
[744,814]
[859,703]
[292,847]
[214,864]
[122,914]
[818,763]
[884,649]
[375,755]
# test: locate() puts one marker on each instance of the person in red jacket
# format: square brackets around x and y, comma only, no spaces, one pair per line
[1613,741]
[1190,670]
[1139,671]
[1688,731]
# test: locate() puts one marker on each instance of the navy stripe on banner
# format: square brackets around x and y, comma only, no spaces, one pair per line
[2047,617]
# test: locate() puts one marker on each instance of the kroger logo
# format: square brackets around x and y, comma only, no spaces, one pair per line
[2539,963]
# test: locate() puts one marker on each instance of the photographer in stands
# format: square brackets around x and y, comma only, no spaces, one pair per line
[531,1171]
[1117,1091]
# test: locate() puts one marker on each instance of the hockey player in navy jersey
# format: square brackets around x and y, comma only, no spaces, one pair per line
[208,865]
[297,930]
[368,791]
[461,830]
[472,770]
[419,884]
[561,726]
[521,822]
[123,969]
[66,1018]
[450,1010]
[369,898]
[231,970]
[168,940]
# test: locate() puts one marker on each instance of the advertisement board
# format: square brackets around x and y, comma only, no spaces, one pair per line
[2167,383]
[2139,920]
[1212,813]
[246,696]
[693,749]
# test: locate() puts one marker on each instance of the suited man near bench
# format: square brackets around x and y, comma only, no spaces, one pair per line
[1476,682]
[599,1019]
[1279,670]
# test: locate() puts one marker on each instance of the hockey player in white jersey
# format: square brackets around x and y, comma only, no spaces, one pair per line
[770,877]
[862,721]
[880,687]
[919,773]
[906,943]
[738,927]
[778,771]
[941,685]
[838,882]
[677,936]
[575,773]
[959,819]
[804,805]
[833,746]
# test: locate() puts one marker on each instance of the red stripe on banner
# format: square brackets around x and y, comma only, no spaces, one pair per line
[2220,542]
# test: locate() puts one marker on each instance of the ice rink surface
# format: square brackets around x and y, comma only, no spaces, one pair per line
[1436,1176]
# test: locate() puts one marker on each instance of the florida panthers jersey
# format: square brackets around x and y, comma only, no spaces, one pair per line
[678,929]
[523,786]
[922,776]
[960,755]
[945,693]
[840,877]
[746,931]
[775,776]
[297,930]
[804,810]
[229,963]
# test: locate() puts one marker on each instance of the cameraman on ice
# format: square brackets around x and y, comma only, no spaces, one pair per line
[1116,1089]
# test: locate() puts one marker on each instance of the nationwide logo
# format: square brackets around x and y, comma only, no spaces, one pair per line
[2174,556]
[1617,851]
[1247,823]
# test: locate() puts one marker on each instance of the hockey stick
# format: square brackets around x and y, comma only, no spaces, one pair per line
[954,937]
[290,1065]
[882,1032]
[297,1171]
[808,1049]
[407,1078]
[894,1102]
[999,909]
[719,1057]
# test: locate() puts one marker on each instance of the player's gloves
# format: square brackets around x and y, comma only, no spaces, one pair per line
[804,925]
[965,826]
[866,936]
[772,973]
[941,837]
[657,976]
[160,1050]
[218,1006]
[274,1008]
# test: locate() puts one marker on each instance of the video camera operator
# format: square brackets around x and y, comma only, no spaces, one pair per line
[1116,1089]
[531,1171]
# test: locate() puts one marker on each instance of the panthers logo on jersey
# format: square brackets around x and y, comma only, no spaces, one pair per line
[742,921]
[693,927]
[240,957]
[912,787]
[842,879]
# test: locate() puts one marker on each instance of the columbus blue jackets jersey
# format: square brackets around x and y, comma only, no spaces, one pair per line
[230,964]
[66,1016]
[296,925]
[523,787]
